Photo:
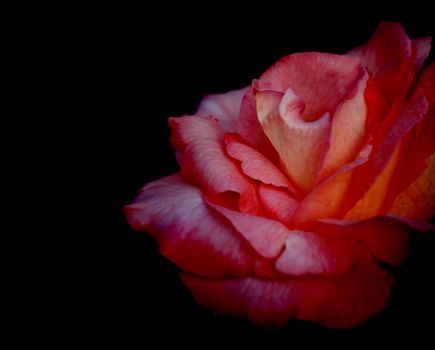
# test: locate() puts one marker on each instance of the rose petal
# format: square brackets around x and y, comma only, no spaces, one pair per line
[389,43]
[310,253]
[392,58]
[250,129]
[277,203]
[266,236]
[204,160]
[225,107]
[320,80]
[299,143]
[385,238]
[427,84]
[420,50]
[340,301]
[188,233]
[371,203]
[347,131]
[417,202]
[327,199]
[386,141]
[254,164]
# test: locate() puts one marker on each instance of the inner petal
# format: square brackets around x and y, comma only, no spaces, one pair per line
[298,142]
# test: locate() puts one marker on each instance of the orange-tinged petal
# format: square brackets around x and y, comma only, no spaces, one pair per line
[299,143]
[370,205]
[347,131]
[417,202]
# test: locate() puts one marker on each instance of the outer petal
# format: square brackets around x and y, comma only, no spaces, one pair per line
[310,253]
[204,160]
[417,202]
[188,233]
[386,140]
[392,58]
[385,238]
[341,301]
[389,44]
[225,107]
[421,50]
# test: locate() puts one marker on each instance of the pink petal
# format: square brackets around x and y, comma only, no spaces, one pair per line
[310,253]
[225,107]
[250,129]
[205,161]
[188,233]
[277,203]
[254,164]
[341,301]
[266,236]
[420,50]
[299,143]
[320,80]
[188,129]
[347,131]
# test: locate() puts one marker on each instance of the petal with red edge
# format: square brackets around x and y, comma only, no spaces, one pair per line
[277,203]
[385,238]
[341,301]
[386,141]
[427,83]
[310,253]
[254,164]
[347,131]
[250,129]
[266,236]
[371,203]
[188,233]
[389,44]
[225,107]
[205,161]
[320,80]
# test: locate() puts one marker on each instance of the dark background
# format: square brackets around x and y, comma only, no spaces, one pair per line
[141,67]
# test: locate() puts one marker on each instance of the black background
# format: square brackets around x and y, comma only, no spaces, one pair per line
[142,66]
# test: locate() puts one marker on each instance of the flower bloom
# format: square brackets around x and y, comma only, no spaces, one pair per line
[292,190]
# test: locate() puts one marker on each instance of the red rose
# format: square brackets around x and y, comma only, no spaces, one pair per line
[293,189]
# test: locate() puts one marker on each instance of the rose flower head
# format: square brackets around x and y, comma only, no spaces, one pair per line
[294,189]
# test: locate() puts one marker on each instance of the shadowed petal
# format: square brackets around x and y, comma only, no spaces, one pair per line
[340,301]
[188,233]
[266,236]
[225,107]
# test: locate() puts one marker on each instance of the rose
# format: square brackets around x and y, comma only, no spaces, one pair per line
[292,190]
